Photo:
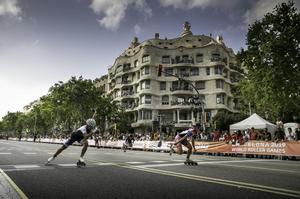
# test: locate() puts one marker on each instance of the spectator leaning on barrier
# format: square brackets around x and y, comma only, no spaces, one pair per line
[247,135]
[279,135]
[227,137]
[268,136]
[239,137]
[260,135]
[216,136]
[253,134]
[279,123]
[297,132]
[291,136]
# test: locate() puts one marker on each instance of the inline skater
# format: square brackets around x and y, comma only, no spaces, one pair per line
[182,139]
[128,142]
[81,135]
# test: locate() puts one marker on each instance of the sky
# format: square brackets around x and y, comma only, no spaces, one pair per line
[46,41]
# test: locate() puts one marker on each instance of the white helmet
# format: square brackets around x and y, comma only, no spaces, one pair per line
[91,123]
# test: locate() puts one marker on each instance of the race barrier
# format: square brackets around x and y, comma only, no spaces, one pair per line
[290,148]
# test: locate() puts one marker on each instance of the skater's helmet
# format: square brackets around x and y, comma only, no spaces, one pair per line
[91,123]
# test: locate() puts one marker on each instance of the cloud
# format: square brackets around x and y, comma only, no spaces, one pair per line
[137,29]
[261,7]
[189,4]
[10,8]
[112,12]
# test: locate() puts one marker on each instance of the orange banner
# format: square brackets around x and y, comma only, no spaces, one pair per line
[252,147]
[212,147]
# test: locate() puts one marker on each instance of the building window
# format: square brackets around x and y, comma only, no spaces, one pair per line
[207,70]
[165,100]
[145,70]
[146,84]
[220,99]
[146,58]
[163,86]
[218,70]
[118,80]
[148,99]
[136,63]
[165,59]
[185,58]
[199,58]
[200,85]
[194,71]
[183,72]
[147,115]
[215,57]
[220,83]
[184,115]
[168,71]
[126,67]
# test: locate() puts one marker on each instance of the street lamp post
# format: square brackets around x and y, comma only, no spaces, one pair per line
[196,101]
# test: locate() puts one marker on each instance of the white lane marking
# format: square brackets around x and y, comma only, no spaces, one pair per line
[231,161]
[29,153]
[107,153]
[177,160]
[209,162]
[158,161]
[158,165]
[134,162]
[67,165]
[26,166]
[104,163]
[5,153]
[50,153]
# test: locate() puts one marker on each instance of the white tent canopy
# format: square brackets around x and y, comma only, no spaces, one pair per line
[253,121]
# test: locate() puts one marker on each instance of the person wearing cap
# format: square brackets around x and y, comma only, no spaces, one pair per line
[81,135]
[182,139]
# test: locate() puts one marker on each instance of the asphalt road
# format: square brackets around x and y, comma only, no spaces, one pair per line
[112,173]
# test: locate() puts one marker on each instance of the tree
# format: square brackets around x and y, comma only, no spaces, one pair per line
[64,108]
[272,59]
[224,118]
[10,124]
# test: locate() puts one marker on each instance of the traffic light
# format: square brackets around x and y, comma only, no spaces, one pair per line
[159,70]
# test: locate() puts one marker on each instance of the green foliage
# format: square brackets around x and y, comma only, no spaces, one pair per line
[224,118]
[272,60]
[10,122]
[64,108]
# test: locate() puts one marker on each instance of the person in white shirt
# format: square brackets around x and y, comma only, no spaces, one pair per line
[81,135]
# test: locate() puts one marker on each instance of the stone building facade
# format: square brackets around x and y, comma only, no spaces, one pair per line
[194,68]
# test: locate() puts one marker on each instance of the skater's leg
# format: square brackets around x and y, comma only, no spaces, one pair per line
[56,154]
[84,148]
[177,149]
[189,152]
[178,145]
[61,149]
